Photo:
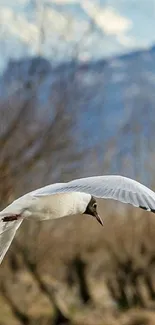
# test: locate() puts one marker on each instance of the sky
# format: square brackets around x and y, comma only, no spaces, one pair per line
[97,28]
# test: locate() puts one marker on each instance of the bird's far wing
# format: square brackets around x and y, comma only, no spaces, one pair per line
[114,187]
[7,233]
[48,190]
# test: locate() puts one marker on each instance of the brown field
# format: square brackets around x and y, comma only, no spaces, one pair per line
[73,271]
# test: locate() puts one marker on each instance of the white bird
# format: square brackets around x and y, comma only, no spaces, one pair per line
[75,197]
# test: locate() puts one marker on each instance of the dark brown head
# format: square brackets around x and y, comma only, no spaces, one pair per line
[92,210]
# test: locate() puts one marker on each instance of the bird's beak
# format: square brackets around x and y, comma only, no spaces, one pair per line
[98,218]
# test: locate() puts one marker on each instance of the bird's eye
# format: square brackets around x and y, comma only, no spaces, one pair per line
[95,205]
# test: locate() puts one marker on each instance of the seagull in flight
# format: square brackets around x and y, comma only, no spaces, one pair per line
[71,198]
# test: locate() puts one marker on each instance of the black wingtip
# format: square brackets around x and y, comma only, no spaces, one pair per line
[146,209]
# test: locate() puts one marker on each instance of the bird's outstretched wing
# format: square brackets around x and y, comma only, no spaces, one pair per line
[7,233]
[114,187]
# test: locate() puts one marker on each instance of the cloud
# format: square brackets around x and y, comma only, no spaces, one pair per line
[107,19]
[18,26]
[126,41]
[64,1]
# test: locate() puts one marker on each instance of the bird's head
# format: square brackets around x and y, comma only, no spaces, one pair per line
[92,210]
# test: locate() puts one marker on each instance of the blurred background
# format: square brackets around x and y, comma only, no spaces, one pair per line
[77,98]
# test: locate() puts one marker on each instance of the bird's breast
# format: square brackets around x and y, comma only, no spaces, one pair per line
[59,205]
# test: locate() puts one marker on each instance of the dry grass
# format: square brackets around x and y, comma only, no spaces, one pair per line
[94,275]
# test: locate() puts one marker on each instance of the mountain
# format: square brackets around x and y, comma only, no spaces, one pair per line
[107,92]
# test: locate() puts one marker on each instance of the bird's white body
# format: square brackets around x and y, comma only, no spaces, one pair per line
[42,208]
[48,207]
[62,199]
